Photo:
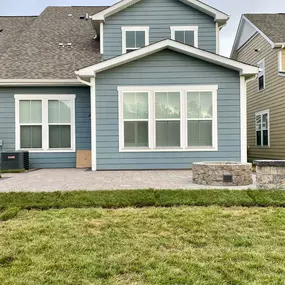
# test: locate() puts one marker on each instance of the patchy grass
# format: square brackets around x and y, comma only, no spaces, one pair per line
[181,245]
[142,198]
[9,213]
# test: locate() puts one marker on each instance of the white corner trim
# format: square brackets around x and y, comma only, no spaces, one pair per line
[93,123]
[135,29]
[243,68]
[40,82]
[102,38]
[217,39]
[186,28]
[243,120]
[45,124]
[216,14]
[183,89]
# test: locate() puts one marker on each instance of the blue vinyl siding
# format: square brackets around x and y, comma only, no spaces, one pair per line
[82,121]
[166,68]
[159,15]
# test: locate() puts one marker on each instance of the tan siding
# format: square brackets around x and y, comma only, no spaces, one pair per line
[272,98]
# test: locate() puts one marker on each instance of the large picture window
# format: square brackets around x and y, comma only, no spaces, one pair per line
[134,38]
[262,128]
[45,122]
[168,118]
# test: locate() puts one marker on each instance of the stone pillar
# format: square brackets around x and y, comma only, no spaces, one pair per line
[270,174]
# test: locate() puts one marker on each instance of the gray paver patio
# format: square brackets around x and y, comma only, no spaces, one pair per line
[80,179]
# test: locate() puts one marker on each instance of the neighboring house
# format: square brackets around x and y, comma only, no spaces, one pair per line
[260,41]
[150,90]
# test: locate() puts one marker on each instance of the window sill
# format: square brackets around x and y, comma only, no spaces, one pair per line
[48,151]
[168,149]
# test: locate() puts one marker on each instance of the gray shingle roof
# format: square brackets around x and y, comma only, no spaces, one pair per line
[37,55]
[272,25]
[11,29]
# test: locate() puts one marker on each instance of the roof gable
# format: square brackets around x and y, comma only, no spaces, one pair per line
[218,16]
[244,69]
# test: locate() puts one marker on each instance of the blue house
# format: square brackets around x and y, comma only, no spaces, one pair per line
[138,85]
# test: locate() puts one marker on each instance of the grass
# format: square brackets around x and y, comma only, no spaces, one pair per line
[9,213]
[12,171]
[178,245]
[142,198]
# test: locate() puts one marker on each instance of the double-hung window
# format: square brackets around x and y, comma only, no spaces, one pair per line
[134,38]
[262,128]
[45,122]
[261,75]
[187,35]
[168,118]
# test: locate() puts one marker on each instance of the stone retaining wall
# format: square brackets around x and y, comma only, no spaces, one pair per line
[270,174]
[212,173]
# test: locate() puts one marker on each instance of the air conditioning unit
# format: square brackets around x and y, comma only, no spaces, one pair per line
[15,160]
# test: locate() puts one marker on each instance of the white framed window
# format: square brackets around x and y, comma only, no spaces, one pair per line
[261,75]
[134,38]
[262,128]
[168,118]
[45,123]
[185,34]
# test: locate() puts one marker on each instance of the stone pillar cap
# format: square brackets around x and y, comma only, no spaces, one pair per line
[276,163]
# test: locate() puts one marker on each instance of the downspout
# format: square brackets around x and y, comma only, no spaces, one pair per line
[92,85]
[243,116]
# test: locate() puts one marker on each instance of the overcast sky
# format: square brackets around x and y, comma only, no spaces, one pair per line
[233,8]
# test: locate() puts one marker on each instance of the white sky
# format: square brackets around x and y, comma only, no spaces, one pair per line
[233,8]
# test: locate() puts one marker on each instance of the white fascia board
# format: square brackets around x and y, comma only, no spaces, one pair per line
[218,15]
[243,68]
[40,82]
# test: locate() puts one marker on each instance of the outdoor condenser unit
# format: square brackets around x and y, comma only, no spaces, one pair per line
[15,160]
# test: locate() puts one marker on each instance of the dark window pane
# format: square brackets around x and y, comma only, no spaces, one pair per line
[31,136]
[180,36]
[130,50]
[168,134]
[59,137]
[261,83]
[189,38]
[200,133]
[140,39]
[258,138]
[130,39]
[265,138]
[136,134]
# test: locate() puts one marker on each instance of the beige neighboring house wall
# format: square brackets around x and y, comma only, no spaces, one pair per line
[272,98]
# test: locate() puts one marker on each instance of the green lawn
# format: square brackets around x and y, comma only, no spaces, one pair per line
[175,245]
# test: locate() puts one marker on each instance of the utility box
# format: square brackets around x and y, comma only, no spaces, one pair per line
[15,160]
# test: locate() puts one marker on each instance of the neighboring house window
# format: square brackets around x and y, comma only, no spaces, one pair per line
[261,75]
[134,38]
[45,122]
[262,128]
[186,35]
[168,118]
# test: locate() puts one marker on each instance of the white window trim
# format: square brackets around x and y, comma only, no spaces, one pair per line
[185,28]
[268,129]
[136,29]
[264,85]
[45,124]
[183,118]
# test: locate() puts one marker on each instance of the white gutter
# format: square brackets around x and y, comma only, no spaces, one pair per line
[39,82]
